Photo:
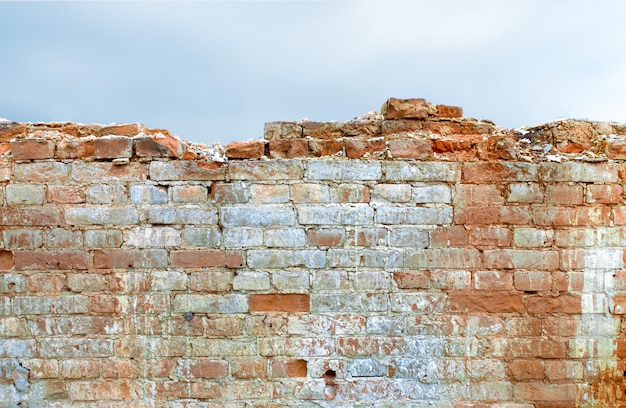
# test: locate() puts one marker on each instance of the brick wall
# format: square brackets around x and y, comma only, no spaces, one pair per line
[422,259]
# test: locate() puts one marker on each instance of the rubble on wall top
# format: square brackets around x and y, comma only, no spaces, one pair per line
[404,129]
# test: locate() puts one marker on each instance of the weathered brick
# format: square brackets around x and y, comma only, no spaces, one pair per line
[49,172]
[251,149]
[23,238]
[96,215]
[75,149]
[39,305]
[343,170]
[369,258]
[564,194]
[181,215]
[493,280]
[431,194]
[51,260]
[285,237]
[532,237]
[290,281]
[32,149]
[122,259]
[331,147]
[201,237]
[72,369]
[247,280]
[423,171]
[357,148]
[210,281]
[457,258]
[349,193]
[287,149]
[420,303]
[349,302]
[194,258]
[18,348]
[480,302]
[87,172]
[533,280]
[579,172]
[420,149]
[604,194]
[395,193]
[152,237]
[148,194]
[326,236]
[208,303]
[413,215]
[455,236]
[571,216]
[24,194]
[289,368]
[189,194]
[242,237]
[46,282]
[477,194]
[12,283]
[408,237]
[187,170]
[62,238]
[335,214]
[266,170]
[113,147]
[525,193]
[412,279]
[521,259]
[30,216]
[284,258]
[269,193]
[89,282]
[103,238]
[65,194]
[563,304]
[414,108]
[158,146]
[478,172]
[257,216]
[490,215]
[107,194]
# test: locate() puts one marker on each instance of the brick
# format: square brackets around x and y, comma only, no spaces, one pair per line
[412,279]
[96,215]
[189,194]
[289,368]
[288,169]
[413,215]
[563,304]
[279,302]
[493,280]
[480,302]
[148,194]
[330,147]
[310,193]
[246,280]
[322,130]
[521,259]
[168,281]
[350,193]
[65,194]
[284,258]
[30,216]
[456,258]
[492,236]
[208,303]
[455,236]
[490,215]
[285,237]
[32,149]
[572,216]
[152,237]
[540,391]
[447,280]
[248,369]
[445,111]
[415,108]
[187,170]
[230,193]
[210,281]
[370,281]
[419,149]
[87,172]
[257,216]
[72,369]
[18,348]
[39,305]
[206,259]
[532,237]
[395,193]
[579,172]
[358,148]
[480,172]
[62,238]
[49,172]
[252,149]
[201,237]
[90,282]
[533,280]
[269,193]
[604,194]
[46,282]
[421,171]
[103,238]
[326,236]
[243,237]
[6,260]
[335,214]
[75,149]
[123,259]
[24,194]
[368,258]
[181,215]
[419,303]
[23,238]
[51,260]
[370,237]
[431,194]
[158,146]
[477,194]
[525,193]
[290,281]
[113,147]
[343,170]
[408,237]
[349,302]
[99,391]
[288,148]
[282,130]
[556,370]
[564,194]
[12,283]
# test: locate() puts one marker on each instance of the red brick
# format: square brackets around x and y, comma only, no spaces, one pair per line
[551,393]
[357,148]
[65,194]
[288,148]
[420,149]
[488,172]
[533,280]
[113,147]
[497,148]
[156,146]
[206,259]
[105,304]
[455,236]
[279,302]
[6,260]
[489,215]
[326,147]
[493,280]
[47,260]
[119,369]
[478,194]
[325,237]
[564,194]
[322,130]
[572,216]
[127,129]
[457,143]
[412,279]
[72,369]
[119,259]
[32,149]
[208,369]
[253,149]
[562,304]
[32,216]
[490,236]
[604,194]
[75,149]
[249,369]
[46,282]
[619,215]
[523,370]
[415,108]
[490,302]
[289,368]
[445,111]
[560,326]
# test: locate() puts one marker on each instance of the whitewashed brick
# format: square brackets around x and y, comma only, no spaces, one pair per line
[291,281]
[335,214]
[414,215]
[285,237]
[432,194]
[257,216]
[24,194]
[208,303]
[142,237]
[147,194]
[284,258]
[421,171]
[242,237]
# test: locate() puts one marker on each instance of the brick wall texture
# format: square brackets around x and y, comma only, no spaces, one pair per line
[411,259]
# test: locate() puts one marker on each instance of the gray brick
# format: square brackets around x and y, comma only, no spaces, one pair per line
[107,194]
[408,237]
[525,193]
[335,214]
[168,281]
[20,194]
[23,238]
[73,304]
[370,281]
[387,325]
[418,303]
[12,283]
[330,281]
[18,348]
[181,216]
[532,237]
[442,258]
[291,281]
[349,302]
[147,194]
[395,193]
[251,281]
[611,236]
[580,172]
[103,238]
[201,237]
[432,194]
[343,170]
[266,170]
[285,237]
[62,238]
[421,171]
[369,258]
[256,216]
[75,348]
[367,367]
[243,237]
[284,258]
[94,215]
[414,215]
[144,237]
[208,303]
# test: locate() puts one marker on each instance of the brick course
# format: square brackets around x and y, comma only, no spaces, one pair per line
[412,259]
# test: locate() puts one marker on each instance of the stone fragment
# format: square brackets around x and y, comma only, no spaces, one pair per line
[395,108]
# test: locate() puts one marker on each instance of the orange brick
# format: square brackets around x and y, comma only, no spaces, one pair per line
[6,260]
[564,304]
[564,194]
[249,369]
[490,302]
[326,147]
[357,148]
[289,368]
[288,148]
[522,370]
[113,147]
[206,259]
[158,146]
[279,303]
[412,279]
[455,236]
[32,149]
[208,369]
[445,111]
[420,149]
[253,149]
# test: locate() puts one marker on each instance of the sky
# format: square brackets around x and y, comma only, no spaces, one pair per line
[216,71]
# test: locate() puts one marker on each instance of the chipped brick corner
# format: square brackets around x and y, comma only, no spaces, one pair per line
[413,258]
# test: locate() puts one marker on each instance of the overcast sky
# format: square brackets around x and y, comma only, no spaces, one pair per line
[215,71]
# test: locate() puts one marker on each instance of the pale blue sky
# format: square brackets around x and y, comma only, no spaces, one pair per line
[215,71]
